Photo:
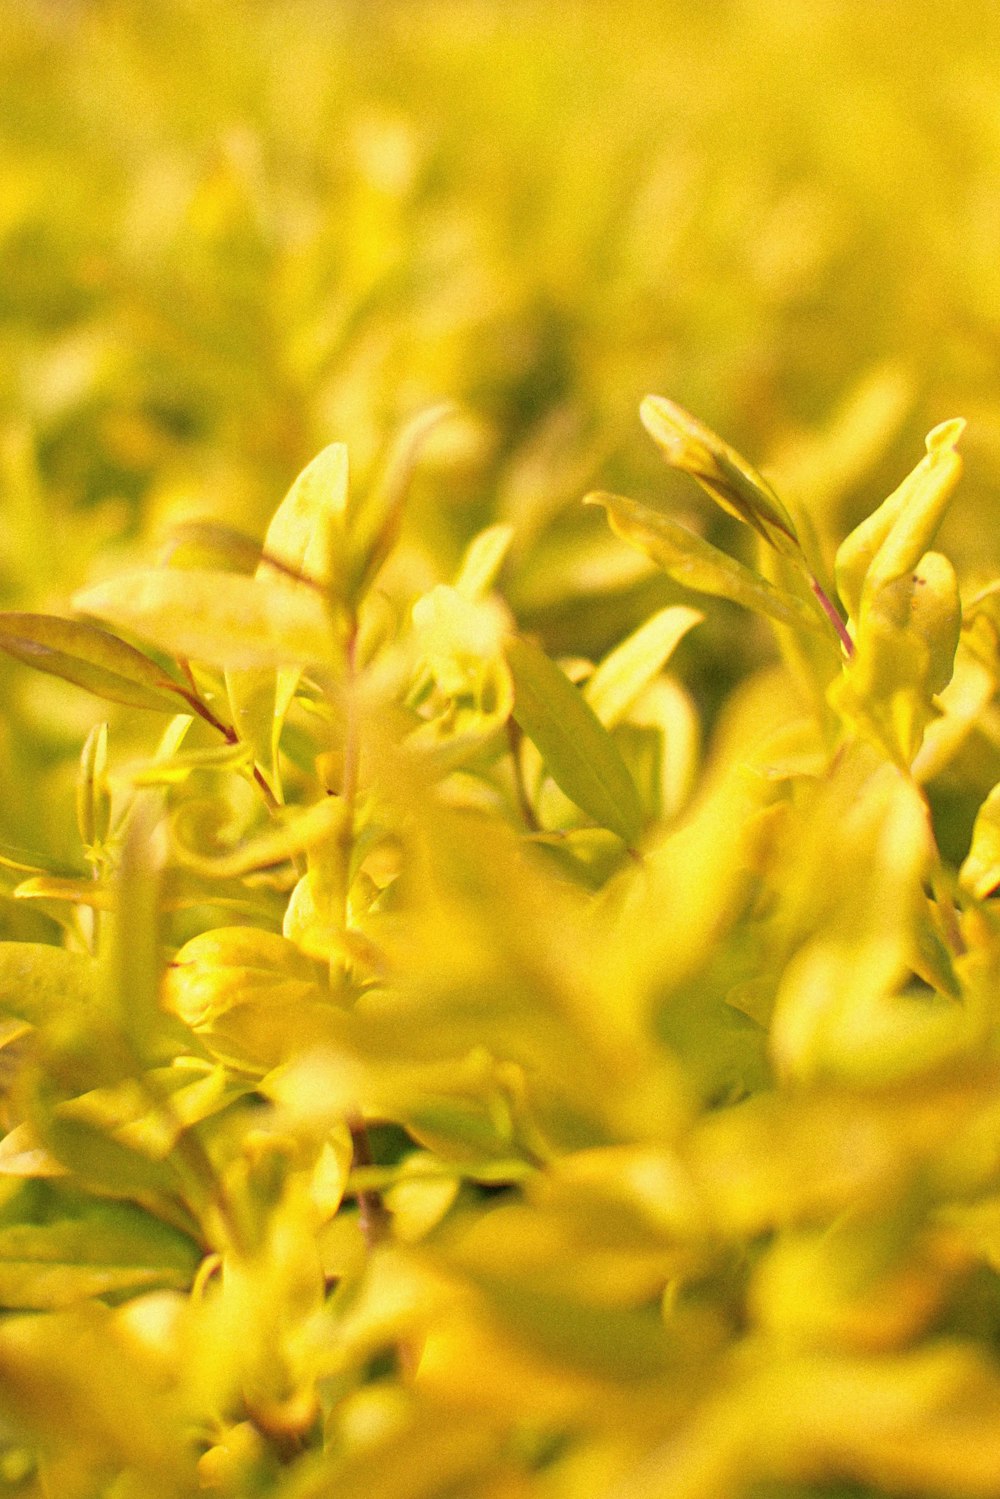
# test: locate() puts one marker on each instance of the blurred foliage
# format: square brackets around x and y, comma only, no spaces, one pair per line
[498,996]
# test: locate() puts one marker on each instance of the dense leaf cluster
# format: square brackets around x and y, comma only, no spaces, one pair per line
[506,1005]
[447,1085]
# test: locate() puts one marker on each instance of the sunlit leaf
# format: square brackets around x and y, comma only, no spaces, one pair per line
[579,754]
[893,539]
[89,657]
[100,1250]
[695,563]
[223,619]
[690,446]
[375,518]
[624,674]
[484,557]
[980,873]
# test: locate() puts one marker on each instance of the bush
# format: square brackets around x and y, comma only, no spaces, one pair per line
[506,1003]
[441,1087]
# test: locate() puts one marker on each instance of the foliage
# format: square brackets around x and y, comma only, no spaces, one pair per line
[444,1085]
[503,1003]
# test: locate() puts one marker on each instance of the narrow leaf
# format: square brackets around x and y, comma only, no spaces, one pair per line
[578,751]
[175,769]
[375,520]
[222,619]
[305,545]
[76,891]
[627,671]
[89,657]
[734,484]
[93,799]
[694,562]
[483,560]
[895,536]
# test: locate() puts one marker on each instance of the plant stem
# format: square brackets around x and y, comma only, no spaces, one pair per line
[520,789]
[833,615]
[373,1215]
[229,734]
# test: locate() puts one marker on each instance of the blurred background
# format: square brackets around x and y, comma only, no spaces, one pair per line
[232,231]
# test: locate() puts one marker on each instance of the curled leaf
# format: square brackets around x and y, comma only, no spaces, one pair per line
[734,484]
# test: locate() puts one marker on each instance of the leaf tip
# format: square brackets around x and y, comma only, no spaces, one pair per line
[945,435]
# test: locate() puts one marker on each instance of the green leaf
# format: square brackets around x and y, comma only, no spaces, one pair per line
[627,671]
[892,540]
[37,981]
[100,1249]
[621,1343]
[93,798]
[980,873]
[695,563]
[305,533]
[578,751]
[222,619]
[484,557]
[738,488]
[375,519]
[89,657]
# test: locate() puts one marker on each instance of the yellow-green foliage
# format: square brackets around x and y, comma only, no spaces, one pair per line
[507,1005]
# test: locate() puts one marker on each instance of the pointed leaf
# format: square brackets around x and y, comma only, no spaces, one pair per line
[306,531]
[89,657]
[222,619]
[174,769]
[694,562]
[374,521]
[305,543]
[627,671]
[93,799]
[483,560]
[578,751]
[734,484]
[895,536]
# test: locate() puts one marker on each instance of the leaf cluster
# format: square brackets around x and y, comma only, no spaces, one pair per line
[449,1079]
